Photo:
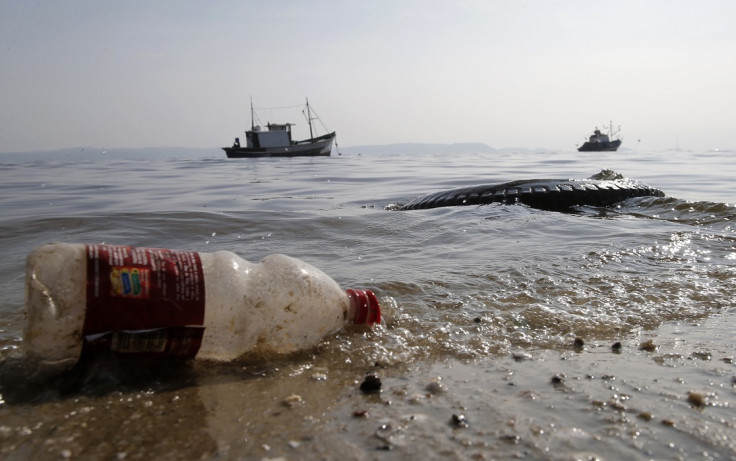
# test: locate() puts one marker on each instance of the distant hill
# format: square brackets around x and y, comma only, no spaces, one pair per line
[142,153]
[420,148]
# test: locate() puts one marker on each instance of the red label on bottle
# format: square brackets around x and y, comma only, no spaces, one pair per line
[144,300]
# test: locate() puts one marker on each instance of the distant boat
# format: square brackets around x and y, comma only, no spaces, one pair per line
[601,142]
[276,141]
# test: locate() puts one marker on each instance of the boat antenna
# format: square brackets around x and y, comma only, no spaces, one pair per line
[309,119]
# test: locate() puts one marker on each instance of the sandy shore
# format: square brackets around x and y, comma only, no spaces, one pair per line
[669,401]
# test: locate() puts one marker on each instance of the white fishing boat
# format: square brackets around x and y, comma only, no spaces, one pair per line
[275,140]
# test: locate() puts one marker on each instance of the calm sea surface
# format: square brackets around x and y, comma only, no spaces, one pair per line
[482,305]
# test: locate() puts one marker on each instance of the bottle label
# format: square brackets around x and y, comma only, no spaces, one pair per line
[144,301]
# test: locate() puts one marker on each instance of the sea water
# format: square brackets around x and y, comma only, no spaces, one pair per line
[500,316]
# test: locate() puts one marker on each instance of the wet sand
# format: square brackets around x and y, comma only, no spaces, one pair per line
[670,399]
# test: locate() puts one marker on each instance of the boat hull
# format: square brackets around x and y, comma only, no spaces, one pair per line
[316,147]
[611,146]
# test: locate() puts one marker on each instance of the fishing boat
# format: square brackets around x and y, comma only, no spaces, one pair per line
[601,142]
[276,141]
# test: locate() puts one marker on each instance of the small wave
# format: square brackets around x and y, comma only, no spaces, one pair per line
[700,213]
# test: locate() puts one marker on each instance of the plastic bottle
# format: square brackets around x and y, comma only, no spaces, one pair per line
[84,298]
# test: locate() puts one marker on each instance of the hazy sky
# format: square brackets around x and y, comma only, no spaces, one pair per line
[536,74]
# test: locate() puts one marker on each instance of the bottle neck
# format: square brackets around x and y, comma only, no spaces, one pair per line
[364,307]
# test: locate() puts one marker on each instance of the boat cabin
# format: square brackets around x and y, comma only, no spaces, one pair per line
[599,137]
[277,135]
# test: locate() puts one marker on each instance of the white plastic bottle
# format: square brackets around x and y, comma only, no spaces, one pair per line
[82,298]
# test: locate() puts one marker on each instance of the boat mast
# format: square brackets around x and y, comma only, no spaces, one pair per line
[309,119]
[252,118]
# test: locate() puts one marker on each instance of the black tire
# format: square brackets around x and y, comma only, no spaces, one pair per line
[545,194]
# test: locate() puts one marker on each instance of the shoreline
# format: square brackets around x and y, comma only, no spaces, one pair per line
[673,401]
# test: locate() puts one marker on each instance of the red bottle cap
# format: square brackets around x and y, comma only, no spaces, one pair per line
[365,305]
